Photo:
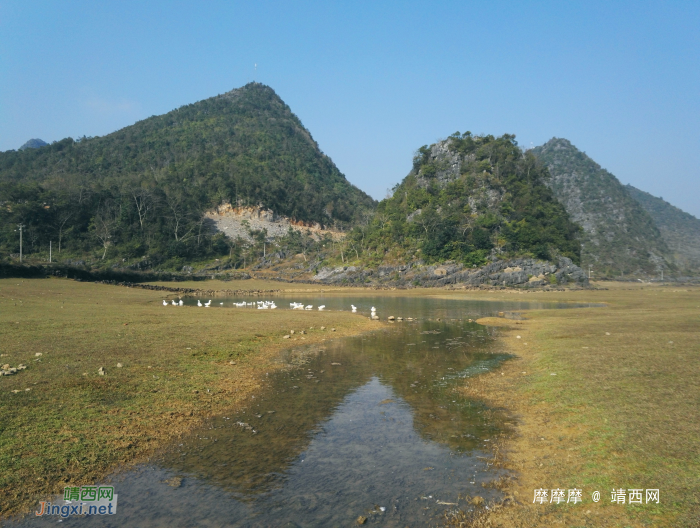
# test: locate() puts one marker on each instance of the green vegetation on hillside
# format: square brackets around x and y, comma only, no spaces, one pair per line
[465,199]
[142,191]
[619,237]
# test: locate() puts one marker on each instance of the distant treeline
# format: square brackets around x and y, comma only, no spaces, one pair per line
[74,272]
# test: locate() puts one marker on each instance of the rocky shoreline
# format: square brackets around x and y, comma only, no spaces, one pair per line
[523,272]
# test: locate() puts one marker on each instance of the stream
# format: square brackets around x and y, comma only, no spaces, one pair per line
[366,426]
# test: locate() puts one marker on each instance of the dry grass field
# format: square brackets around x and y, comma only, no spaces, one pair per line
[64,423]
[605,398]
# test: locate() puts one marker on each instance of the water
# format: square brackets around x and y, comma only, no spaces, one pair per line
[346,429]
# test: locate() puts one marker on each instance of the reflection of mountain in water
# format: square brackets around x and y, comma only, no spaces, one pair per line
[383,427]
[302,401]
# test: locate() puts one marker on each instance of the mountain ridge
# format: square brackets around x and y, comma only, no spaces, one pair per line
[143,190]
[680,230]
[619,237]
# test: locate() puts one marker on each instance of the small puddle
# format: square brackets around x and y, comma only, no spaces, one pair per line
[369,425]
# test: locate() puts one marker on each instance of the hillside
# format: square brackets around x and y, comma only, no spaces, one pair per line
[142,191]
[680,230]
[470,200]
[619,236]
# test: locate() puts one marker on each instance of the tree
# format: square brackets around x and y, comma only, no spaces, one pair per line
[179,214]
[144,199]
[104,223]
[60,224]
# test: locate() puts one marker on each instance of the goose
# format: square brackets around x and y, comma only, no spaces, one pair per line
[207,304]
[181,303]
[221,304]
[165,303]
[320,308]
[174,303]
[354,308]
[309,307]
[199,303]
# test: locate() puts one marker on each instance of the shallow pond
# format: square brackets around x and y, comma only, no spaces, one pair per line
[365,426]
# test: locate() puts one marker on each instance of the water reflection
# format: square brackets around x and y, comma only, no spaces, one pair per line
[360,424]
[250,453]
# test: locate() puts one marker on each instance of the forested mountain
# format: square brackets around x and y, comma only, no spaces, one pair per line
[143,189]
[466,199]
[680,230]
[619,236]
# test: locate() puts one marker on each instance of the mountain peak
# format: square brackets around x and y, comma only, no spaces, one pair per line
[33,143]
[619,235]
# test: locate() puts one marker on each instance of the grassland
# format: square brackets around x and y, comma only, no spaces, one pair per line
[64,423]
[605,398]
[621,411]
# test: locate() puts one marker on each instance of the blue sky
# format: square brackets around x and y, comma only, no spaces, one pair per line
[373,81]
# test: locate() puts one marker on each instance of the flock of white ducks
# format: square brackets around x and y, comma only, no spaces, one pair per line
[267,305]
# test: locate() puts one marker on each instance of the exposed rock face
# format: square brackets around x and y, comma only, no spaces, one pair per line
[619,235]
[449,167]
[232,222]
[523,272]
[680,230]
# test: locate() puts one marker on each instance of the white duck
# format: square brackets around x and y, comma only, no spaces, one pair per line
[165,303]
[199,303]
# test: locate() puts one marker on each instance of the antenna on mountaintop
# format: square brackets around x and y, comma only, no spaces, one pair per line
[256,72]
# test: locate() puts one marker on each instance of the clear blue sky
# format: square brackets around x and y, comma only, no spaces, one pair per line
[373,81]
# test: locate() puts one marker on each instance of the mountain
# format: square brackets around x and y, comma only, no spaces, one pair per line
[680,230]
[619,235]
[469,200]
[143,190]
[33,143]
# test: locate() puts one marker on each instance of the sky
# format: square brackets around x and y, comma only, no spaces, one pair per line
[375,80]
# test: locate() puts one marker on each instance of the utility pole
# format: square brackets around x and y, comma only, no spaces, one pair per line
[662,275]
[589,272]
[20,226]
[50,251]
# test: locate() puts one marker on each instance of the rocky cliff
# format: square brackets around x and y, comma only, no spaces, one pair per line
[239,222]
